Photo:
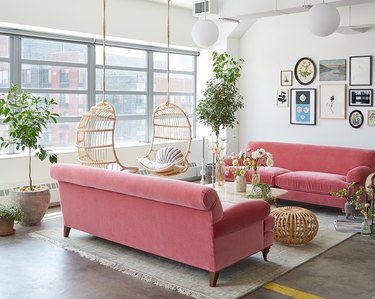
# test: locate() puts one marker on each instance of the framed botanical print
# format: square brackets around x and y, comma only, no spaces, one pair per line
[360,69]
[333,101]
[371,117]
[282,99]
[360,97]
[286,78]
[305,71]
[356,119]
[303,106]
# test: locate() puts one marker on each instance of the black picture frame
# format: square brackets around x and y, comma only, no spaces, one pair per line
[360,70]
[361,97]
[303,112]
[356,119]
[305,71]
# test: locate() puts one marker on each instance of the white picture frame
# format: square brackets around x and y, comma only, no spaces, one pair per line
[333,101]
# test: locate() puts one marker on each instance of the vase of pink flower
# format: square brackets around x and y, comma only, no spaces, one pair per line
[245,161]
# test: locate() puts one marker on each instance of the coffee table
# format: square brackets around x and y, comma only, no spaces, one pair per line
[227,193]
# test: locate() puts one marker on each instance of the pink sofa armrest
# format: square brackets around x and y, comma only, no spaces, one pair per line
[358,174]
[241,215]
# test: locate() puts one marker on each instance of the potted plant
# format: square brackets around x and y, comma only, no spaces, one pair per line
[221,98]
[9,215]
[354,199]
[27,116]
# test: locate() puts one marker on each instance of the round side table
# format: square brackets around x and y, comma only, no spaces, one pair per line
[294,225]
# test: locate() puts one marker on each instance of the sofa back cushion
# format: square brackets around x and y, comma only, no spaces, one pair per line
[159,189]
[331,159]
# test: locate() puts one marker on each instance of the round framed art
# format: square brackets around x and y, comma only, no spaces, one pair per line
[356,119]
[305,71]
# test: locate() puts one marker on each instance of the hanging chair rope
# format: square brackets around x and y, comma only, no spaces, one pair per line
[96,130]
[168,47]
[170,124]
[104,54]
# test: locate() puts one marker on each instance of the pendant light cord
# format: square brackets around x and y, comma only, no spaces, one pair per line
[169,39]
[104,56]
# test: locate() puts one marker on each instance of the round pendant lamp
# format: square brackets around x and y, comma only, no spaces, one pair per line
[323,19]
[205,33]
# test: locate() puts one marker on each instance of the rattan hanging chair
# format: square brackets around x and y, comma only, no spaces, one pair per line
[96,131]
[95,139]
[170,124]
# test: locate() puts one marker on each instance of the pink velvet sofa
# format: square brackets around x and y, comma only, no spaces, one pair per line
[311,172]
[178,220]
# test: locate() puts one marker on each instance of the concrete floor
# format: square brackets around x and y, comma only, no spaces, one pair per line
[35,269]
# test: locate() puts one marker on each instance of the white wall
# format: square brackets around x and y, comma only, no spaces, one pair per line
[276,43]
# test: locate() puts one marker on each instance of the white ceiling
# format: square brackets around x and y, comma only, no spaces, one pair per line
[179,3]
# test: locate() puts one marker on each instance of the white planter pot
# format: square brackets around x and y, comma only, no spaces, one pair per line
[33,204]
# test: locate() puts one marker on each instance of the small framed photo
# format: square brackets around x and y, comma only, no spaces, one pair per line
[282,98]
[303,106]
[360,69]
[286,78]
[356,119]
[305,71]
[333,101]
[371,118]
[360,97]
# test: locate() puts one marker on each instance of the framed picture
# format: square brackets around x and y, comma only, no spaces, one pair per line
[360,69]
[332,70]
[286,78]
[282,98]
[305,71]
[360,97]
[303,106]
[333,101]
[371,118]
[356,119]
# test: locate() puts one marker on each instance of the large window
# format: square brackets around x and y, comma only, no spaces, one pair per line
[72,74]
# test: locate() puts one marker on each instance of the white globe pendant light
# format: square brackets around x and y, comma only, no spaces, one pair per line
[323,19]
[205,33]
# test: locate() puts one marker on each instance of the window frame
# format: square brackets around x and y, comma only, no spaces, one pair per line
[16,61]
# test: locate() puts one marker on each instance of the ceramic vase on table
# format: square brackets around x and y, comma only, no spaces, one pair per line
[220,173]
[255,177]
[240,183]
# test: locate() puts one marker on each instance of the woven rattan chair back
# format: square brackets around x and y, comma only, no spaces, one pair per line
[95,139]
[170,124]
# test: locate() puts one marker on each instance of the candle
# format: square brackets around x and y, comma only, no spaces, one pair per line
[203,149]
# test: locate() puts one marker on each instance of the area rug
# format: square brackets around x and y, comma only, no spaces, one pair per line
[234,282]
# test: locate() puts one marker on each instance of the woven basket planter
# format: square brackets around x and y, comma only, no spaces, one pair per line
[294,225]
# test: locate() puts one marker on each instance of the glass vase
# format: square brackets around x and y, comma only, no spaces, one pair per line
[255,177]
[365,230]
[220,173]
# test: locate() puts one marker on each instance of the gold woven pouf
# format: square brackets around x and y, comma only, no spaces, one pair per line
[294,225]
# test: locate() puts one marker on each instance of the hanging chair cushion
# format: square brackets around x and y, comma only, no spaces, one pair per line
[166,157]
[169,155]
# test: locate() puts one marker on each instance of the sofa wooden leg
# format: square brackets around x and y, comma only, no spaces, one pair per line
[66,231]
[265,253]
[213,278]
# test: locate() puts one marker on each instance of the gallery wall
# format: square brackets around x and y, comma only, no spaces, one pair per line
[276,43]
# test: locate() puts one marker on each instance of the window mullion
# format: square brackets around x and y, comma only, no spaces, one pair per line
[150,94]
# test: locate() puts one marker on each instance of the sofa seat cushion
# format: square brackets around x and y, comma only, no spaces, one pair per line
[267,174]
[311,181]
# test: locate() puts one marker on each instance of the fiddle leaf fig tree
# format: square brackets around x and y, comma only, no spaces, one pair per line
[221,97]
[27,116]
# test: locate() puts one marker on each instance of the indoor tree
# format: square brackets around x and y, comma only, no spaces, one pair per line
[221,97]
[27,116]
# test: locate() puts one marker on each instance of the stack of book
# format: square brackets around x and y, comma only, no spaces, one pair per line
[343,224]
